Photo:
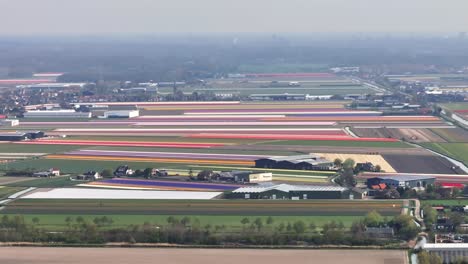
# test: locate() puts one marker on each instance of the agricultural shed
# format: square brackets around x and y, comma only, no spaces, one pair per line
[402,181]
[13,136]
[83,193]
[62,113]
[449,252]
[293,192]
[297,162]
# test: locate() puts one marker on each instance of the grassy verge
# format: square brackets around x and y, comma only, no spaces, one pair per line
[6,191]
[57,182]
[445,202]
[458,151]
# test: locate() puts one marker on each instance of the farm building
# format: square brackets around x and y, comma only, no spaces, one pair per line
[89,176]
[401,181]
[51,172]
[449,252]
[18,136]
[62,113]
[9,122]
[245,176]
[121,113]
[123,170]
[13,136]
[293,192]
[297,162]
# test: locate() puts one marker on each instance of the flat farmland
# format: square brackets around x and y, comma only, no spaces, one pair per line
[40,255]
[333,143]
[419,164]
[207,207]
[409,134]
[311,90]
[455,134]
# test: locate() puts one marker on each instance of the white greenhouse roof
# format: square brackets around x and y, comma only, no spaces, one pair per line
[288,188]
[83,193]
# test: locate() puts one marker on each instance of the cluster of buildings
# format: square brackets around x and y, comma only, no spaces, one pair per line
[73,113]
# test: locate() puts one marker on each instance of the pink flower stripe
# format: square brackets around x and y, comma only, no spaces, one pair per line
[122,143]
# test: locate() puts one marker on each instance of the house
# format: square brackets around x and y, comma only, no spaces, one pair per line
[245,176]
[50,173]
[123,170]
[89,176]
[365,166]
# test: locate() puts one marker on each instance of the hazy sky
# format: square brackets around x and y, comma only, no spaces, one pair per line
[152,16]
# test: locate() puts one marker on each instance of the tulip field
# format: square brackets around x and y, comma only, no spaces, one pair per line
[216,134]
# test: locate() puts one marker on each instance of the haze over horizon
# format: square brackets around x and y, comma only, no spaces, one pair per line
[56,17]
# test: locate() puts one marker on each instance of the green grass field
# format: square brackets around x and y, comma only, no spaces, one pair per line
[339,143]
[56,222]
[446,202]
[6,191]
[458,151]
[23,148]
[56,182]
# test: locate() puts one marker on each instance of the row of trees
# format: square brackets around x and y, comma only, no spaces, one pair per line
[186,230]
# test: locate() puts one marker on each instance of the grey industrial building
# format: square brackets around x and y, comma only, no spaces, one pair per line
[449,252]
[402,181]
[293,192]
[297,162]
[18,136]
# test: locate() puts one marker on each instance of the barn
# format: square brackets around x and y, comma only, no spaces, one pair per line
[292,192]
[296,162]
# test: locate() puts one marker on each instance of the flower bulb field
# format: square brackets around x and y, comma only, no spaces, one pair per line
[182,135]
[187,138]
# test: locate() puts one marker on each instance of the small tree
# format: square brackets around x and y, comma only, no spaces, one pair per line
[35,220]
[245,221]
[373,219]
[259,223]
[338,162]
[106,173]
[147,173]
[269,220]
[299,227]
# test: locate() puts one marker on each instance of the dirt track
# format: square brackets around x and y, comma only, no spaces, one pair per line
[37,255]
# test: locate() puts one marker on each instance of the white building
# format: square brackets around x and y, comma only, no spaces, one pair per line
[62,113]
[9,122]
[121,113]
